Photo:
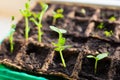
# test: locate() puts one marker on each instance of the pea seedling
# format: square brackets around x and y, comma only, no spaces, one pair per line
[112,18]
[13,26]
[97,58]
[58,14]
[60,46]
[26,13]
[108,33]
[39,17]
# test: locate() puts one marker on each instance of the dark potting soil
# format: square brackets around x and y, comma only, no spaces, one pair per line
[107,13]
[82,34]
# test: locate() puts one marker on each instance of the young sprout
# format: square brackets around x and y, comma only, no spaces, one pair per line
[83,11]
[60,46]
[97,58]
[108,33]
[39,18]
[100,26]
[13,26]
[26,13]
[112,18]
[58,14]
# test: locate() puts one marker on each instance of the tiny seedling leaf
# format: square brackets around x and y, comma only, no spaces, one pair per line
[13,18]
[90,56]
[108,33]
[58,15]
[100,26]
[60,46]
[57,29]
[27,5]
[101,56]
[44,6]
[60,10]
[33,20]
[112,18]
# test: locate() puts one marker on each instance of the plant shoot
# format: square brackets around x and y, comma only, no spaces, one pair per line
[112,18]
[97,58]
[58,14]
[13,26]
[26,13]
[108,33]
[60,46]
[39,18]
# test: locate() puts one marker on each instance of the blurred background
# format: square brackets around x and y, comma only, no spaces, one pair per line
[10,8]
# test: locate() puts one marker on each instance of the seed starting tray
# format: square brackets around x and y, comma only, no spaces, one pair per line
[83,34]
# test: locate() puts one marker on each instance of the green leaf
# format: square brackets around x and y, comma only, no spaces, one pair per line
[108,33]
[101,56]
[90,56]
[60,10]
[33,20]
[58,16]
[100,26]
[57,49]
[57,29]
[13,26]
[35,15]
[27,5]
[112,18]
[22,12]
[12,18]
[44,6]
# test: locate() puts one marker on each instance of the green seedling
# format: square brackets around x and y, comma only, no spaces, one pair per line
[13,26]
[26,13]
[100,26]
[60,46]
[83,11]
[58,14]
[97,58]
[112,18]
[39,18]
[108,33]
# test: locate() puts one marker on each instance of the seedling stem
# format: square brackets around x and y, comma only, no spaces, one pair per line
[11,35]
[39,22]
[60,46]
[58,14]
[97,58]
[26,13]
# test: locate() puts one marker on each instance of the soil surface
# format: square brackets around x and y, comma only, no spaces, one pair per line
[83,34]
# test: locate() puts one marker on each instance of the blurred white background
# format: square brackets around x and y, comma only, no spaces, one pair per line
[10,8]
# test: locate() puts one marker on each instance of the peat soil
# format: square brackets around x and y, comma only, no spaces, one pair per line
[83,34]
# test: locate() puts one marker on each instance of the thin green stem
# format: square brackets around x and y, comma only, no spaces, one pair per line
[63,61]
[60,37]
[11,43]
[40,18]
[26,28]
[95,66]
[39,34]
